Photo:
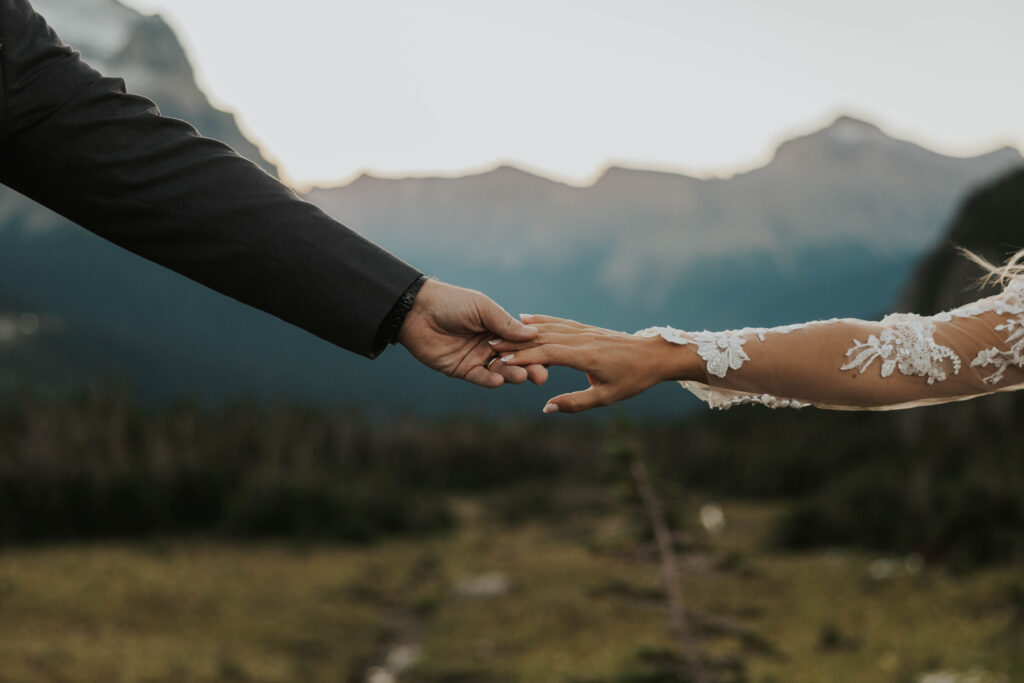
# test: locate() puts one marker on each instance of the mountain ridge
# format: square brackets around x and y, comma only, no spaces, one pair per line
[834,131]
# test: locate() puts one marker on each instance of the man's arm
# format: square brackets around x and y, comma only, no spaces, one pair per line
[77,143]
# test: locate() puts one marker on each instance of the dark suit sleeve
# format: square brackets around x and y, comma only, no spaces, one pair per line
[75,142]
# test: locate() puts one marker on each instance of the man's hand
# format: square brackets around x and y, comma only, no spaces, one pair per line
[448,329]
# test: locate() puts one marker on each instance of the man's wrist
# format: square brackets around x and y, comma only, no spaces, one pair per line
[392,323]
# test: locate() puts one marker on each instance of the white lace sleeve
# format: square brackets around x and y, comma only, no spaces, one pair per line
[902,361]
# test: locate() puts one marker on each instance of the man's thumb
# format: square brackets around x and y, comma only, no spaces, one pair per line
[501,324]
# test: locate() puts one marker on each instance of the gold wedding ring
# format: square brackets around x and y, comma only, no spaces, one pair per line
[490,361]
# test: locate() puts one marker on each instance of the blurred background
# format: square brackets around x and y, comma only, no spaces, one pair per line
[192,490]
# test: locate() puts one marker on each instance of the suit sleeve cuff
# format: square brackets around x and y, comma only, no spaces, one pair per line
[392,323]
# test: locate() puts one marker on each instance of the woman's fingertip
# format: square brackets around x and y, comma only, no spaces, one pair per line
[492,342]
[505,359]
[551,408]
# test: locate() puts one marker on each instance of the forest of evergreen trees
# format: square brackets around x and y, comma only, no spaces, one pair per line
[945,482]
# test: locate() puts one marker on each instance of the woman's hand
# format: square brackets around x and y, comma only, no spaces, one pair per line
[618,365]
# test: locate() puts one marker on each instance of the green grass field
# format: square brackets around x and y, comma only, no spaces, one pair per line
[584,603]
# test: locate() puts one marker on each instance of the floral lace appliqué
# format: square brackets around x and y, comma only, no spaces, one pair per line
[909,347]
[1014,327]
[720,351]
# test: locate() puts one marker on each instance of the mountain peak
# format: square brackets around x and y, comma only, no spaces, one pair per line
[837,140]
[847,135]
[850,130]
[508,172]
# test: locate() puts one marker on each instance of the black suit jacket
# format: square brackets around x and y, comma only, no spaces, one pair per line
[75,142]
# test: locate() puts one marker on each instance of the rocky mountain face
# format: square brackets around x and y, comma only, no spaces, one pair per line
[989,223]
[143,50]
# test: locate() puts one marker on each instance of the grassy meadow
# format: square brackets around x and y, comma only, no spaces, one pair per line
[583,603]
[283,543]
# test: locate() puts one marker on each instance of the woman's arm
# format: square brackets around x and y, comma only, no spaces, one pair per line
[902,361]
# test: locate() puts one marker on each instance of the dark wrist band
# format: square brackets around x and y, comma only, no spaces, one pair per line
[392,325]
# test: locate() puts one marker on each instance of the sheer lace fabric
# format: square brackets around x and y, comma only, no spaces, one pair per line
[902,361]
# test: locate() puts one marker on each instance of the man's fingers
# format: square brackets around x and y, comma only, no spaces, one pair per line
[538,374]
[512,374]
[484,378]
[577,401]
[501,324]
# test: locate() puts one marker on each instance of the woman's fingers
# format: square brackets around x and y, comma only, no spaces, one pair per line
[505,347]
[547,354]
[533,320]
[563,332]
[578,401]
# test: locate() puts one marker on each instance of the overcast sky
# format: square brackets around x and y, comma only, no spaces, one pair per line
[331,88]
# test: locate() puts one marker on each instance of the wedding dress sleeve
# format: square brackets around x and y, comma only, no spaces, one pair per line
[902,361]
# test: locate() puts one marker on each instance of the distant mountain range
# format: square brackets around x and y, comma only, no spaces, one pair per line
[832,226]
[848,184]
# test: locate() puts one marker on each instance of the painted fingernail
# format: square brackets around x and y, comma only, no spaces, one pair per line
[494,341]
[505,359]
[551,408]
[526,315]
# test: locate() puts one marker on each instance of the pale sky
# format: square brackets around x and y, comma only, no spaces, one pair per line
[332,88]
